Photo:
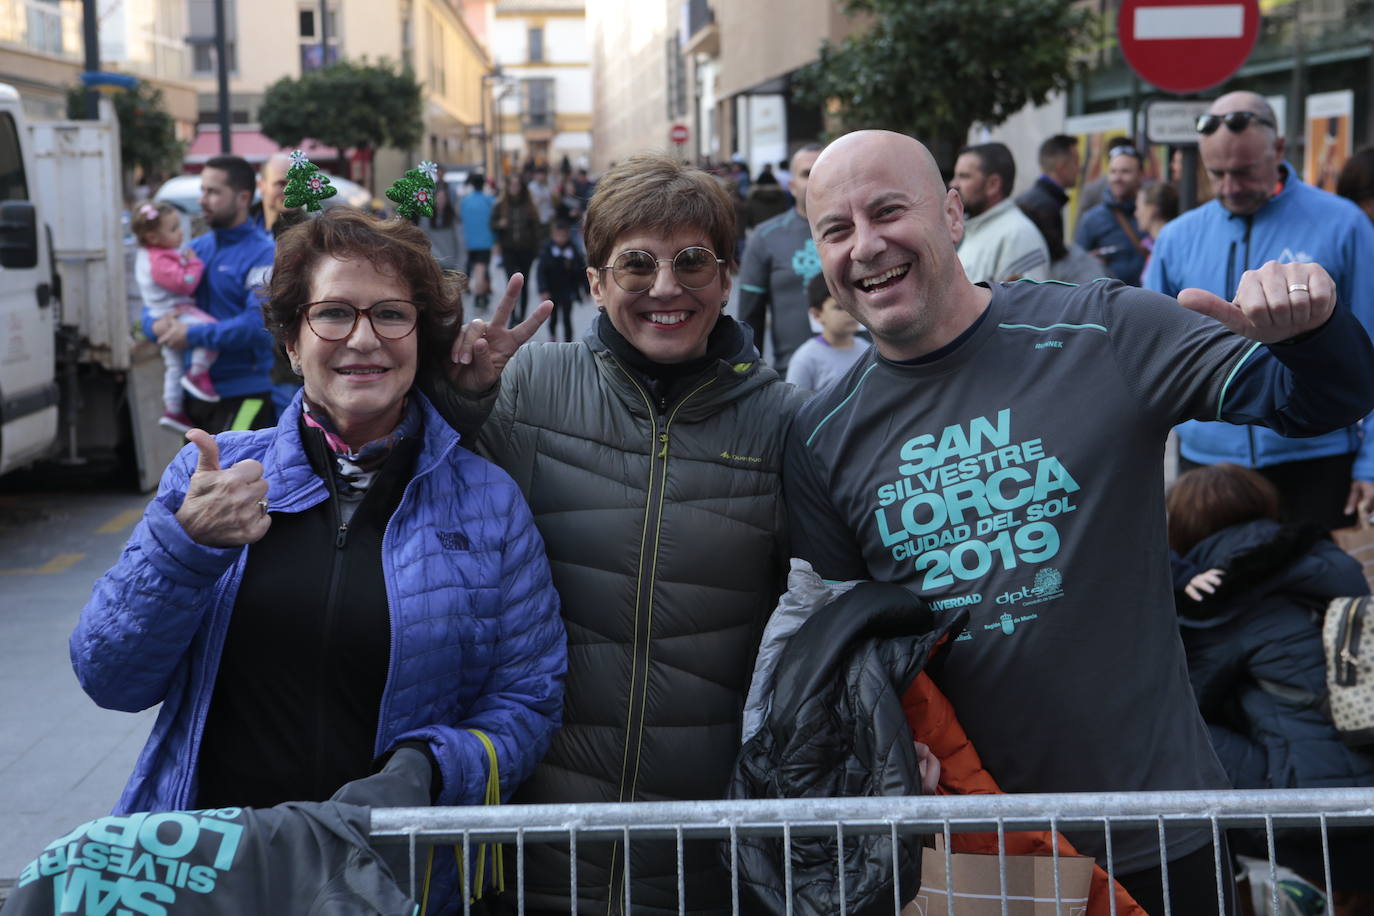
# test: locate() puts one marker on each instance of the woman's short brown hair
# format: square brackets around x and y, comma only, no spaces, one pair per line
[1205,500]
[392,246]
[657,195]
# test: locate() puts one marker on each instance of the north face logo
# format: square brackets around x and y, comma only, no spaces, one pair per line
[453,540]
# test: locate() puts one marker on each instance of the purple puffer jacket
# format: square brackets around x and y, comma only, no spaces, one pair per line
[476,638]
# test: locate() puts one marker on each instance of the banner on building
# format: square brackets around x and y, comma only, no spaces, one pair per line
[1329,116]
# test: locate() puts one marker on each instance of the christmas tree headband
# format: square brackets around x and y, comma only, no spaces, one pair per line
[306,185]
[413,192]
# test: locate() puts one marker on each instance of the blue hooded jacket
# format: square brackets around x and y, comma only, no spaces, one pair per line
[1210,248]
[237,262]
[476,637]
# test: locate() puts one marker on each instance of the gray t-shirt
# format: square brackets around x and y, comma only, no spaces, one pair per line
[779,261]
[817,363]
[1019,478]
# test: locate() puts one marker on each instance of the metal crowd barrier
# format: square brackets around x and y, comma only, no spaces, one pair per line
[1218,811]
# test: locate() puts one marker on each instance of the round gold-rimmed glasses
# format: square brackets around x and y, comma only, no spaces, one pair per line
[695,268]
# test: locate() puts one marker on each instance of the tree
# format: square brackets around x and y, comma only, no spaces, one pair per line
[147,132]
[357,106]
[935,68]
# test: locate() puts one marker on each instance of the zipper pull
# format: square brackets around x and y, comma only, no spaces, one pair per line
[663,452]
[342,536]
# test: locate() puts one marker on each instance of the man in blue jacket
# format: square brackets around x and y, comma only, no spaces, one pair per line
[238,258]
[1262,212]
[1109,229]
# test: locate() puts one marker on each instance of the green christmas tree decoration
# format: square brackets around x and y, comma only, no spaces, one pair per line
[413,192]
[306,185]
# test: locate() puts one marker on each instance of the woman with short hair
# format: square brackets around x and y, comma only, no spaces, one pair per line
[651,454]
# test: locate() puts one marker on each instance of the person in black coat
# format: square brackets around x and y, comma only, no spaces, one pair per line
[1251,596]
[562,277]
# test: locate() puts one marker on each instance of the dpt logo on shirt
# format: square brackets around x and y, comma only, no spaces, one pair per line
[969,501]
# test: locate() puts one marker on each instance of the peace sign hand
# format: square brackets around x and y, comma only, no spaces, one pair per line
[482,349]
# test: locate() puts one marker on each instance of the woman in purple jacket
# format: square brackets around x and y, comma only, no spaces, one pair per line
[305,600]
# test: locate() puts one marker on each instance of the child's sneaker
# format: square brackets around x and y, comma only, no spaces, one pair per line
[176,420]
[197,384]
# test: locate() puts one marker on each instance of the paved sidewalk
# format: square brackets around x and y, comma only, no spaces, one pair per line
[63,760]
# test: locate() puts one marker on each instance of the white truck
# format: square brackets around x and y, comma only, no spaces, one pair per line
[75,383]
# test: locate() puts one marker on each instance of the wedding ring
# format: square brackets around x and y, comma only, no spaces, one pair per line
[262,504]
[1296,287]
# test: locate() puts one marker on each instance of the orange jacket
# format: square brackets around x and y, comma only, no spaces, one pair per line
[933,723]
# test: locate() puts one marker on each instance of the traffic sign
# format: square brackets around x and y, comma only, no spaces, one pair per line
[678,134]
[1174,122]
[1182,46]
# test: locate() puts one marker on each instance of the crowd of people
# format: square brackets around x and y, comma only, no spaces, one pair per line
[452,537]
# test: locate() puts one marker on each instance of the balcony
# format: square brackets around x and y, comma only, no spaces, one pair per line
[699,25]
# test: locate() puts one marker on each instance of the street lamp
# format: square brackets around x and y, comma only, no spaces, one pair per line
[501,87]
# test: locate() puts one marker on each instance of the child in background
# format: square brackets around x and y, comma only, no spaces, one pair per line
[562,277]
[830,354]
[167,277]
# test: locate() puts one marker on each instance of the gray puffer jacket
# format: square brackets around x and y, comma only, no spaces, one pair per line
[665,532]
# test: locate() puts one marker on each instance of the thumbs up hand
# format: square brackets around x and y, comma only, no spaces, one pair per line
[223,508]
[1272,304]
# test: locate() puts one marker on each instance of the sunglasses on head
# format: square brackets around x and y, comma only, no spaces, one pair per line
[1235,122]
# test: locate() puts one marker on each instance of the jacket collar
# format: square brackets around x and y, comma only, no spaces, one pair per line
[293,484]
[988,216]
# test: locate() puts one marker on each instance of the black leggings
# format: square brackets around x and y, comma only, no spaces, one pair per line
[518,260]
[562,311]
[1192,885]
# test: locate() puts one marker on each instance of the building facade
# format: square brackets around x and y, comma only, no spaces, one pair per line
[42,52]
[267,40]
[543,95]
[721,70]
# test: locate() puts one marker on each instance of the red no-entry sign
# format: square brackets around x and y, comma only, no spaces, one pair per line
[1185,46]
[678,134]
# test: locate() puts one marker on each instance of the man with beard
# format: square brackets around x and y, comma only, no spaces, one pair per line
[1263,211]
[238,257]
[997,452]
[1000,242]
[1109,230]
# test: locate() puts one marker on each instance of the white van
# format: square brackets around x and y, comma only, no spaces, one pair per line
[74,380]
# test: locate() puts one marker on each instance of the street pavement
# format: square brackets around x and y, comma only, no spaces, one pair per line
[63,760]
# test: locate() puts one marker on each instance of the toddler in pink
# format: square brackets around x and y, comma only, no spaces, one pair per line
[167,277]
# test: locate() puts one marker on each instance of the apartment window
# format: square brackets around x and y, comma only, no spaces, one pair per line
[312,57]
[536,44]
[200,22]
[203,57]
[438,76]
[538,102]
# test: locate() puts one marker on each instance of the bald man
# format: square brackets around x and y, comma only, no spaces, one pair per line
[1262,211]
[998,452]
[272,188]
